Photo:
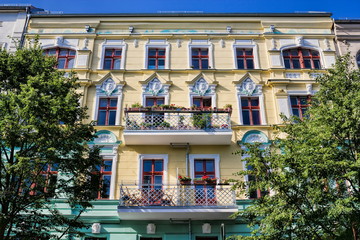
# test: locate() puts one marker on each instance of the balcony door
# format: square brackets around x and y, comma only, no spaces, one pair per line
[152,180]
[154,119]
[205,193]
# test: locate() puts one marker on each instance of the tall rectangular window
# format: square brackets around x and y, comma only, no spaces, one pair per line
[299,105]
[200,58]
[112,59]
[205,194]
[156,58]
[104,171]
[257,193]
[107,111]
[244,58]
[250,109]
[152,175]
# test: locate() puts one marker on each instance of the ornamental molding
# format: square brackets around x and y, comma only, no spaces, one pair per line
[155,87]
[249,88]
[201,87]
[109,88]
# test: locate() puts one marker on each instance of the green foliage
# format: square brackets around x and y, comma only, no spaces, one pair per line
[201,121]
[313,169]
[41,125]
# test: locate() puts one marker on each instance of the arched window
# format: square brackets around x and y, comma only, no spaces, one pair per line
[358,60]
[65,57]
[297,58]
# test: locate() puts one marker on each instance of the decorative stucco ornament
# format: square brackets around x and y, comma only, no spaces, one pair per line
[96,228]
[299,41]
[108,87]
[273,43]
[178,42]
[248,87]
[154,87]
[59,40]
[86,43]
[201,87]
[104,138]
[255,138]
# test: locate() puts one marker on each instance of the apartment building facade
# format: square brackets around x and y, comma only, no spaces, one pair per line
[176,95]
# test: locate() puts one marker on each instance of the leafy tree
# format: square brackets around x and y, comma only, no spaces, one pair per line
[312,169]
[41,128]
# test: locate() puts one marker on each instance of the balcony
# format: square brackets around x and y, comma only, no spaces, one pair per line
[149,126]
[158,202]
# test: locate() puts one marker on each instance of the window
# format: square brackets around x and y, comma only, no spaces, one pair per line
[65,57]
[301,58]
[358,60]
[49,174]
[156,58]
[154,101]
[152,176]
[245,58]
[154,118]
[112,59]
[250,111]
[105,171]
[200,58]
[205,194]
[107,111]
[258,192]
[202,102]
[299,105]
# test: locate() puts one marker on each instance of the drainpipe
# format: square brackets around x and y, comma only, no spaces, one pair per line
[22,39]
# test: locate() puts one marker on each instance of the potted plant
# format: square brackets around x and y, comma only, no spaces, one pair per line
[209,180]
[136,106]
[184,180]
[198,181]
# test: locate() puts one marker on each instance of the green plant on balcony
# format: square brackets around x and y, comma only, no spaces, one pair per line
[146,125]
[184,180]
[136,105]
[164,124]
[227,106]
[202,121]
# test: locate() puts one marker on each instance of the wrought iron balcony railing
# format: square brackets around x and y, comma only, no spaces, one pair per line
[177,119]
[177,195]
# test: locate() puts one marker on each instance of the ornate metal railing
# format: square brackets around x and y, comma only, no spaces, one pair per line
[177,195]
[182,119]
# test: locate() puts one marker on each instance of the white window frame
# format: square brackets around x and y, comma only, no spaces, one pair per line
[153,43]
[165,94]
[211,94]
[114,159]
[143,157]
[201,44]
[249,44]
[100,94]
[215,157]
[113,44]
[287,111]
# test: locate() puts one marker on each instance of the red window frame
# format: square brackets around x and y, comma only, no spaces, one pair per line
[204,102]
[155,99]
[197,56]
[152,173]
[108,108]
[245,57]
[156,57]
[204,172]
[113,57]
[312,56]
[102,171]
[299,106]
[251,110]
[205,194]
[68,56]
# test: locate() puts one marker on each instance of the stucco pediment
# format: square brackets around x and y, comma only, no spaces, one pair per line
[105,137]
[208,78]
[254,136]
[108,86]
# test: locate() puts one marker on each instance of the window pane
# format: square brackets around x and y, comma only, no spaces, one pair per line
[296,63]
[244,102]
[63,52]
[105,192]
[287,63]
[210,167]
[112,117]
[303,111]
[303,101]
[256,117]
[286,53]
[305,52]
[150,102]
[107,166]
[161,52]
[207,102]
[249,64]
[295,112]
[294,52]
[307,63]
[103,102]
[147,179]
[108,52]
[246,117]
[113,102]
[197,102]
[161,63]
[117,63]
[194,52]
[101,117]
[72,53]
[52,52]
[248,52]
[199,167]
[107,64]
[293,100]
[317,64]
[152,64]
[117,53]
[254,102]
[204,64]
[147,166]
[159,101]
[195,63]
[315,53]
[158,166]
[152,52]
[54,167]
[240,63]
[71,63]
[61,63]
[204,52]
[158,179]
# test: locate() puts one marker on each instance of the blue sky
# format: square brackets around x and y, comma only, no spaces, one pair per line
[340,9]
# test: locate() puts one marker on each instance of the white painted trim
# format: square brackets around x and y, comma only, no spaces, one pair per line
[193,44]
[161,44]
[211,94]
[114,159]
[297,93]
[254,47]
[193,157]
[164,157]
[120,45]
